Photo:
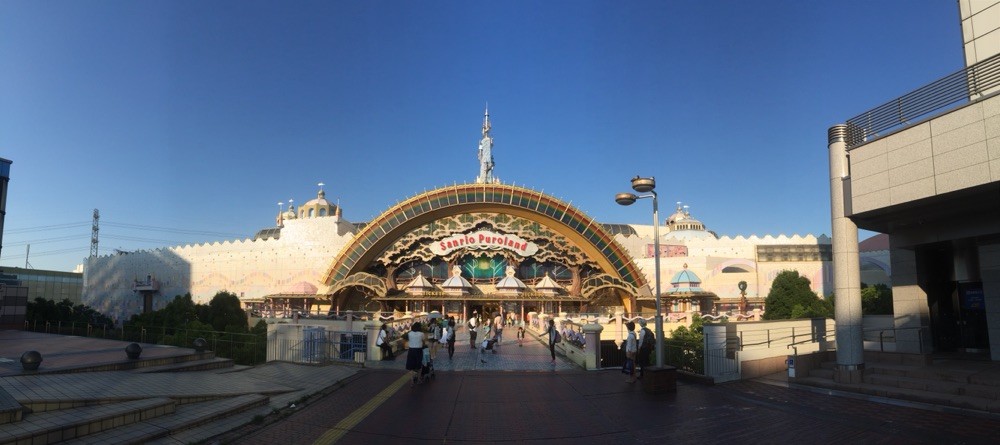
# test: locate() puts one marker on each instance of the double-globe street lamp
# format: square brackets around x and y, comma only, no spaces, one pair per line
[646,186]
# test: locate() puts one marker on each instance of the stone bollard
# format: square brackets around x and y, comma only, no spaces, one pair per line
[592,332]
[31,360]
[659,379]
[133,351]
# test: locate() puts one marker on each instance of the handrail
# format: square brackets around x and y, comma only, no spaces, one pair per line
[959,86]
[882,336]
[788,335]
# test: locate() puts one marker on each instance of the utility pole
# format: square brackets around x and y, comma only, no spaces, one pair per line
[93,235]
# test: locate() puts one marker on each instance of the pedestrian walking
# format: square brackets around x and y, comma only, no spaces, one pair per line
[415,341]
[383,343]
[520,336]
[451,337]
[487,343]
[647,342]
[553,335]
[435,338]
[473,321]
[498,325]
[630,352]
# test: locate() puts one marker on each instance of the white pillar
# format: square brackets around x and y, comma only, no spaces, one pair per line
[846,265]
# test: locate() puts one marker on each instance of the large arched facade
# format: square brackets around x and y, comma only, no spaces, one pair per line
[484,245]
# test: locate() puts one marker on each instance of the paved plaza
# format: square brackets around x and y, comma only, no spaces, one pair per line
[517,396]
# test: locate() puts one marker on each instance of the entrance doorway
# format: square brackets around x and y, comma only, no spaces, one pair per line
[957,306]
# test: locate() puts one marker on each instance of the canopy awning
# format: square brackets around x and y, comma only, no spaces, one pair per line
[295,296]
[441,296]
[676,295]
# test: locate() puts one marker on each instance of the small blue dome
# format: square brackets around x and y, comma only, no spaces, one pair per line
[684,277]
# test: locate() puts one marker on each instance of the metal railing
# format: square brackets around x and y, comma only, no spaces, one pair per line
[321,346]
[244,349]
[957,87]
[787,336]
[889,335]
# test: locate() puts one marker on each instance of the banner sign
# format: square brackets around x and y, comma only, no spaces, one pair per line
[484,240]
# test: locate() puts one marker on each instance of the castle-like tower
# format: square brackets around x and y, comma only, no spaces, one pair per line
[486,153]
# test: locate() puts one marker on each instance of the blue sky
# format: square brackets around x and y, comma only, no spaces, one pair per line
[199,117]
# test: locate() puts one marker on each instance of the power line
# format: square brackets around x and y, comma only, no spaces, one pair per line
[48,252]
[41,228]
[145,240]
[46,240]
[172,230]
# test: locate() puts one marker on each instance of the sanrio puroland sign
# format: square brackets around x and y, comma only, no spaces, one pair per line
[484,240]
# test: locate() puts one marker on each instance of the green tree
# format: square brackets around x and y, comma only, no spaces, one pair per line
[685,348]
[175,314]
[225,313]
[43,310]
[791,297]
[876,300]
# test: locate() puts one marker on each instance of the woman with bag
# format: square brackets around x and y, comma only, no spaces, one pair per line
[415,340]
[630,352]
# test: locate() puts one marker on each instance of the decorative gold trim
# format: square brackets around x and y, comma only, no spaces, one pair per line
[361,279]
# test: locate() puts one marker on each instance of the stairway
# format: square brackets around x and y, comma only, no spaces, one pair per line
[109,414]
[958,384]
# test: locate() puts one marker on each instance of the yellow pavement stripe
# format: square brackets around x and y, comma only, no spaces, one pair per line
[334,434]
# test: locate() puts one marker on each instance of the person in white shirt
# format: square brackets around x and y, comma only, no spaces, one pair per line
[382,341]
[415,341]
[450,337]
[473,321]
[498,322]
[485,331]
[630,353]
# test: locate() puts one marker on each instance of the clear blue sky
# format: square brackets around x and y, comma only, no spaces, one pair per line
[200,116]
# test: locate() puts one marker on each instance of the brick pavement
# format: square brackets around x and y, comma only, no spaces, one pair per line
[534,401]
[577,407]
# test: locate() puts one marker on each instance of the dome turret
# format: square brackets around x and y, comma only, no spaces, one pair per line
[681,225]
[318,207]
[456,284]
[510,283]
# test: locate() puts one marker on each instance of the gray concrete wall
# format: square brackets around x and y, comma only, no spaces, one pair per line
[909,304]
[955,151]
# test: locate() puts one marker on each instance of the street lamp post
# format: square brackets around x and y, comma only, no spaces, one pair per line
[646,186]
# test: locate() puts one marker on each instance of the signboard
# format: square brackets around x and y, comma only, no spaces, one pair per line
[972,296]
[484,240]
[667,251]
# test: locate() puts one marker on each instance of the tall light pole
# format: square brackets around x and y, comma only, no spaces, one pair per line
[646,186]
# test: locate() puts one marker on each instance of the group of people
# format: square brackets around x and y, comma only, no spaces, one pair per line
[491,332]
[637,350]
[423,342]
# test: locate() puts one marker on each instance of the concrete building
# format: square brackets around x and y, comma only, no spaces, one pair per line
[925,170]
[483,246]
[49,284]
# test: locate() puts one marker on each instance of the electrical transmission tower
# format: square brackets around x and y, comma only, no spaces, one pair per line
[93,235]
